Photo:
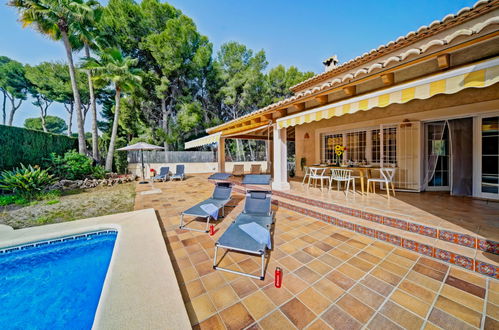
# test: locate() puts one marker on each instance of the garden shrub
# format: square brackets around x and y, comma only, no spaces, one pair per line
[27,182]
[25,146]
[73,166]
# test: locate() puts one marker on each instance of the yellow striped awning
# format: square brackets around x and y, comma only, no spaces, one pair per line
[479,75]
[208,139]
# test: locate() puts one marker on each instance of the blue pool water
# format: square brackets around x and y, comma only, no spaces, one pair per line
[54,285]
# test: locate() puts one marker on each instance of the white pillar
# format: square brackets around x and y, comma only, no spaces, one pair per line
[280,160]
[221,155]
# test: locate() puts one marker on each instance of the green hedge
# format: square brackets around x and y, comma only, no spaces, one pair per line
[29,147]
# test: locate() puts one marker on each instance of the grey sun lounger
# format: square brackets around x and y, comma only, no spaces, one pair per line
[164,173]
[179,173]
[221,196]
[257,210]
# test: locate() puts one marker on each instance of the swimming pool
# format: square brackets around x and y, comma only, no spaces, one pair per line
[54,284]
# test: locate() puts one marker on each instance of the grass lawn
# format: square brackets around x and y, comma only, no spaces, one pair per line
[71,205]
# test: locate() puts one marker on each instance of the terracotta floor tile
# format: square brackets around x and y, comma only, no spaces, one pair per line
[385,276]
[340,279]
[493,297]
[381,322]
[194,288]
[401,316]
[328,289]
[407,254]
[355,308]
[212,323]
[369,257]
[417,291]
[330,260]
[223,297]
[339,237]
[447,321]
[319,267]
[380,253]
[339,254]
[345,247]
[466,286]
[383,246]
[204,268]
[400,261]
[307,274]
[339,319]
[313,251]
[236,317]
[289,248]
[200,308]
[490,324]
[314,300]
[361,264]
[302,257]
[493,311]
[424,281]
[318,325]
[462,297]
[249,266]
[436,275]
[459,311]
[377,285]
[277,321]
[243,286]
[213,281]
[439,266]
[277,295]
[351,271]
[290,263]
[258,304]
[298,313]
[393,268]
[367,296]
[323,246]
[412,304]
[467,276]
[293,283]
[356,244]
[199,256]
[308,239]
[188,274]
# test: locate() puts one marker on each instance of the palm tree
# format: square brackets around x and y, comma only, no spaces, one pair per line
[114,68]
[54,18]
[85,35]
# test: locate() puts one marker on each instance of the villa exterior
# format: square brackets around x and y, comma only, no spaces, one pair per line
[426,104]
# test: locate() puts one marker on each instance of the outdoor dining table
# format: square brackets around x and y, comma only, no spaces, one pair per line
[364,172]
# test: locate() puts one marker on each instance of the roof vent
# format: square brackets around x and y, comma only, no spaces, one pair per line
[331,62]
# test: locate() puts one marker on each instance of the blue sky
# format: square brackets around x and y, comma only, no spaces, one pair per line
[292,32]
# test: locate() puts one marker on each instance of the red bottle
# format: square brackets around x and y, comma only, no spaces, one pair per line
[212,230]
[278,277]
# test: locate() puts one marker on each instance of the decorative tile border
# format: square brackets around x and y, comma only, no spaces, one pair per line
[427,250]
[32,245]
[445,235]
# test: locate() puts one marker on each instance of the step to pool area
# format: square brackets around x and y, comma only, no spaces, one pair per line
[459,246]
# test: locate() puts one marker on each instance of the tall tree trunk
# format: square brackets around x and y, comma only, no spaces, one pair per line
[69,109]
[13,109]
[82,147]
[93,108]
[110,151]
[4,113]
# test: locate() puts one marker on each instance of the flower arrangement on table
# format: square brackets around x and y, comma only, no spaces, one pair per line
[339,150]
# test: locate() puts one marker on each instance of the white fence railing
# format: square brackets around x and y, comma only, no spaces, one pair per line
[173,157]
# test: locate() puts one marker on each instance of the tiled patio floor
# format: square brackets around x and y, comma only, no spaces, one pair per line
[332,277]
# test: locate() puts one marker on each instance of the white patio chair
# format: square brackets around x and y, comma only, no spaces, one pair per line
[307,174]
[387,175]
[342,175]
[317,173]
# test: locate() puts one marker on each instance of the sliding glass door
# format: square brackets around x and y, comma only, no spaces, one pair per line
[489,158]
